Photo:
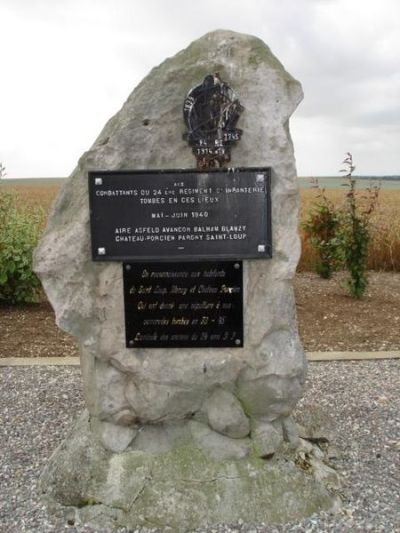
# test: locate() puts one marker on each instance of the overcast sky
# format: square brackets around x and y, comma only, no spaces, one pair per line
[68,65]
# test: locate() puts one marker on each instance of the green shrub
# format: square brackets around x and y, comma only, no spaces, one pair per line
[19,233]
[355,229]
[341,234]
[322,227]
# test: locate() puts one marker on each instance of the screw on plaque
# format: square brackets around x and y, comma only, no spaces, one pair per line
[238,342]
[128,267]
[236,266]
[101,251]
[261,248]
[98,181]
[131,343]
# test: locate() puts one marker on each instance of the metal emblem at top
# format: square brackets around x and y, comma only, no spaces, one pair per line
[211,111]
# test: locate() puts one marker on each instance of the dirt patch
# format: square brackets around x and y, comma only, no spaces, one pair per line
[31,331]
[329,320]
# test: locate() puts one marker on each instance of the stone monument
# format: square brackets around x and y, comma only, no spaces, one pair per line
[184,437]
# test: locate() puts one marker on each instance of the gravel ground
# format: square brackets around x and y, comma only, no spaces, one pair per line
[38,406]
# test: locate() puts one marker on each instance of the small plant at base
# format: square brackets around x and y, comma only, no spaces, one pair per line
[355,229]
[321,227]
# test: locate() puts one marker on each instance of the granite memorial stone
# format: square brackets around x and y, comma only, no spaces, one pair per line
[184,437]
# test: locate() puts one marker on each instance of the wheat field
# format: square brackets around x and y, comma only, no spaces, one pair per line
[384,250]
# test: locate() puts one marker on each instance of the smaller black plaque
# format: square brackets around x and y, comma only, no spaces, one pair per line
[177,305]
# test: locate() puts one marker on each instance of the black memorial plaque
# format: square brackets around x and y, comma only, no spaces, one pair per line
[177,305]
[180,214]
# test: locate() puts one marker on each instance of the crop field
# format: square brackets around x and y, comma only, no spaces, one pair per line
[384,249]
[34,192]
[384,252]
[362,183]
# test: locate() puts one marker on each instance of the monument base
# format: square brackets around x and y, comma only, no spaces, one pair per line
[182,487]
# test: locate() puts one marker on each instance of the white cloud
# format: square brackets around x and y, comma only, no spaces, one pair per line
[67,66]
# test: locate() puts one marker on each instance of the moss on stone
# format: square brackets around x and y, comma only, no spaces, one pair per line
[87,501]
[182,488]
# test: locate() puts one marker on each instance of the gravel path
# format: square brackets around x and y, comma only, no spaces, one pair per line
[38,406]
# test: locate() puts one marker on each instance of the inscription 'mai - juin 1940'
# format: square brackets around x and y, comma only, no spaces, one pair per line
[180,215]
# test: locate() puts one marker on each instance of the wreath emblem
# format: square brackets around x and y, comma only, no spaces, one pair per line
[211,111]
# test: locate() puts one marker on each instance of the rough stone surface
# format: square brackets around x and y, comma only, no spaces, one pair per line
[115,438]
[266,439]
[225,415]
[218,446]
[182,489]
[290,431]
[163,393]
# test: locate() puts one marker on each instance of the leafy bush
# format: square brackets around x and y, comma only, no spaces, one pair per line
[321,227]
[341,235]
[19,233]
[355,230]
